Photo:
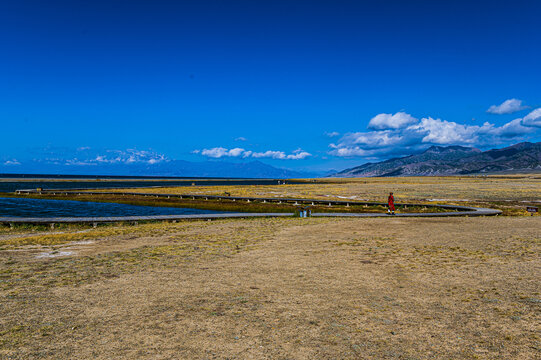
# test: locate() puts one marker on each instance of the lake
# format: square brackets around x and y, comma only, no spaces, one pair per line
[22,207]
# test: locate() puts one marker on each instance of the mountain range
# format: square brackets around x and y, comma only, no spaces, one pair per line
[175,168]
[436,160]
[454,160]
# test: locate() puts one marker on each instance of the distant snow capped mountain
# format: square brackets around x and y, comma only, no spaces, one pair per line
[253,169]
[454,160]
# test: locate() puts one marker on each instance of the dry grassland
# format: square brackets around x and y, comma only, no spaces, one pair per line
[461,288]
[288,288]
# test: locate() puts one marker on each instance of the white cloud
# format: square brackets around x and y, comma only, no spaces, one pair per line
[299,154]
[430,131]
[219,152]
[236,152]
[101,158]
[270,154]
[348,151]
[507,107]
[444,132]
[154,161]
[139,156]
[390,121]
[511,129]
[373,139]
[78,162]
[332,134]
[240,138]
[533,118]
[365,144]
[11,162]
[129,156]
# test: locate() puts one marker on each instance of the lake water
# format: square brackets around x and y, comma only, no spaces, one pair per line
[24,207]
[21,207]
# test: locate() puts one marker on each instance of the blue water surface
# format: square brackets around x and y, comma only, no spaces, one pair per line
[21,207]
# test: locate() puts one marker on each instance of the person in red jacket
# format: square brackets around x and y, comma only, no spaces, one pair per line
[390,202]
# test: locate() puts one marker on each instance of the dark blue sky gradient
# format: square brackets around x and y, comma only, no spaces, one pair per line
[176,76]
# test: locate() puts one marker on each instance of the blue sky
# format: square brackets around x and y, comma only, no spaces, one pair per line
[308,85]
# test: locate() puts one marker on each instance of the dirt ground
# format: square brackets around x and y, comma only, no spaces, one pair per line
[457,288]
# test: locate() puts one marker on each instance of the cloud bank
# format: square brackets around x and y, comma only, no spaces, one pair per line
[533,118]
[390,121]
[129,156]
[401,133]
[220,152]
[11,162]
[507,107]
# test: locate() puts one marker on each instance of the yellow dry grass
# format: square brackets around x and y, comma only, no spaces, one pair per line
[461,288]
[448,288]
[81,233]
[524,188]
